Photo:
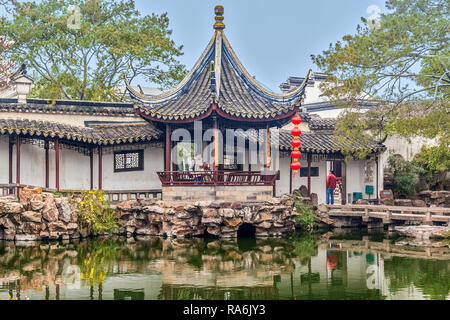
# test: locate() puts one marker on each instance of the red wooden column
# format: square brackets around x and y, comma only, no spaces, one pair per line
[216,150]
[168,147]
[378,194]
[11,145]
[47,181]
[309,174]
[290,178]
[18,142]
[100,168]
[91,167]
[57,163]
[268,160]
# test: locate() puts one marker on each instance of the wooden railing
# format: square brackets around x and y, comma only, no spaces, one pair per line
[226,178]
[8,189]
[114,196]
[389,213]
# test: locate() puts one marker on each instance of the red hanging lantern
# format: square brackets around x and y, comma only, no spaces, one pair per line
[296,132]
[296,154]
[295,166]
[296,143]
[296,120]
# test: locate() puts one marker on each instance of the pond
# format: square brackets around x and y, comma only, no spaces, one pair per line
[330,266]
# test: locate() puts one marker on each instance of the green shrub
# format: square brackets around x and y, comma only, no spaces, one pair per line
[95,211]
[306,216]
[406,176]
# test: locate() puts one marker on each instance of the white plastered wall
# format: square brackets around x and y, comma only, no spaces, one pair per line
[318,184]
[4,159]
[356,178]
[74,168]
[131,180]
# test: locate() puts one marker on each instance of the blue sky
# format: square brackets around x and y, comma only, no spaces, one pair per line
[274,39]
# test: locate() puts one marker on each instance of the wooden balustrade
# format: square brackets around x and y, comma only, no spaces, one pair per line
[226,178]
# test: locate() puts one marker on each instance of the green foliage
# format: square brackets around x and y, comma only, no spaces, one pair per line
[406,176]
[87,63]
[306,216]
[95,212]
[306,247]
[401,68]
[433,159]
[434,163]
[431,276]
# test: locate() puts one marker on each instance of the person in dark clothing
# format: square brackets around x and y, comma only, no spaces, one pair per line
[331,185]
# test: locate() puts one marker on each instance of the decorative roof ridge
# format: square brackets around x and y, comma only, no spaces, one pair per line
[298,92]
[45,121]
[131,124]
[169,94]
[75,102]
[75,133]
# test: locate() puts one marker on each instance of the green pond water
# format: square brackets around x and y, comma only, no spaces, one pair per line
[331,266]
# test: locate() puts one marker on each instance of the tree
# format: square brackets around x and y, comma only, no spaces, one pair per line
[400,67]
[406,176]
[434,164]
[80,49]
[5,66]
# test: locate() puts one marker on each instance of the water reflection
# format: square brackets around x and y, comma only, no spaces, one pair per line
[331,267]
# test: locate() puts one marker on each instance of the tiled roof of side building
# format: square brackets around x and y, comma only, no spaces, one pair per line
[68,107]
[316,123]
[320,143]
[110,134]
[325,143]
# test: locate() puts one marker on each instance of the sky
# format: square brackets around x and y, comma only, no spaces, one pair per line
[274,39]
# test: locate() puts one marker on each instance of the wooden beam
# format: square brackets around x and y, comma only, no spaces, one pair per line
[100,168]
[18,143]
[47,167]
[309,157]
[57,163]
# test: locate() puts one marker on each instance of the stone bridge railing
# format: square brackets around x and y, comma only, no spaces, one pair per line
[385,214]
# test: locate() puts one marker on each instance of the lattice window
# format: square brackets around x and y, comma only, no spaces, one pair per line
[129,160]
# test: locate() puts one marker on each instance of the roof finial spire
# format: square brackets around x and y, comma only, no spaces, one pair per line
[219,25]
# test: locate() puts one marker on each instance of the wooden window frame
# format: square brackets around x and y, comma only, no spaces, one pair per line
[303,169]
[141,160]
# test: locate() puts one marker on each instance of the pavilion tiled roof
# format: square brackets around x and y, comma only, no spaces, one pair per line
[218,78]
[111,134]
[68,107]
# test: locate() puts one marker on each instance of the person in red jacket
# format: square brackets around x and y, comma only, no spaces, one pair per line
[331,185]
